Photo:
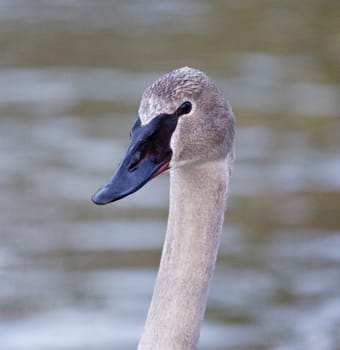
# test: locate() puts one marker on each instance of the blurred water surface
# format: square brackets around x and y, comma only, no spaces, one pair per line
[75,276]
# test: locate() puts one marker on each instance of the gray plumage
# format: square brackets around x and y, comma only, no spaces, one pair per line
[201,167]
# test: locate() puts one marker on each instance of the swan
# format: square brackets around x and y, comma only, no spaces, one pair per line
[185,125]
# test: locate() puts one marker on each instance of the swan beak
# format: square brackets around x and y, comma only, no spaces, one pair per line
[141,163]
[148,155]
[125,182]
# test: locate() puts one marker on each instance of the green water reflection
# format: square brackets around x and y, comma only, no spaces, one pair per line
[71,75]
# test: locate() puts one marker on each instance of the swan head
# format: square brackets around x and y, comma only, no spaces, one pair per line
[182,120]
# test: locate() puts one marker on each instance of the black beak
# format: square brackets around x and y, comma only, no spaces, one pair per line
[148,155]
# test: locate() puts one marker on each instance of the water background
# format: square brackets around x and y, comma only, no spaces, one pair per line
[78,277]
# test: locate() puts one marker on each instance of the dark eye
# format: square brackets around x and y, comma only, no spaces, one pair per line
[184,108]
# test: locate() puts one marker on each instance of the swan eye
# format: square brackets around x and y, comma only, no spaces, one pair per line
[184,108]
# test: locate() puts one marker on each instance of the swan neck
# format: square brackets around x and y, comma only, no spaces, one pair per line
[197,205]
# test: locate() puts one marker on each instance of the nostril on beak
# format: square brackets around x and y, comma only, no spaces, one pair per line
[135,159]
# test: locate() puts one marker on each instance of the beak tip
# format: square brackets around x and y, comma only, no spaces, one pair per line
[100,197]
[95,200]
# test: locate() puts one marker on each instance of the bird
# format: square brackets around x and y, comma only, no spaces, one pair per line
[184,124]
